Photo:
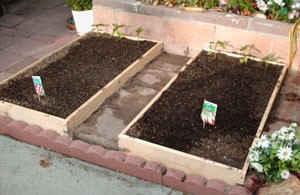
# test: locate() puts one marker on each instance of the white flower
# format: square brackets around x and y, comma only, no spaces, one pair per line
[258,167]
[287,136]
[285,174]
[263,142]
[254,156]
[285,153]
[294,125]
[274,135]
[284,129]
[279,2]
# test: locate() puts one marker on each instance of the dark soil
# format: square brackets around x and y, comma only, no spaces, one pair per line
[242,92]
[75,74]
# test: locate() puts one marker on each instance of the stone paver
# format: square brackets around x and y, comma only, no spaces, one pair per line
[9,20]
[34,25]
[28,12]
[26,47]
[4,75]
[8,59]
[7,40]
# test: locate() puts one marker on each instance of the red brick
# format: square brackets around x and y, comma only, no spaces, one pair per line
[62,143]
[134,21]
[30,134]
[94,154]
[153,172]
[47,139]
[214,187]
[174,178]
[194,184]
[4,122]
[133,165]
[280,47]
[114,160]
[251,182]
[180,32]
[239,190]
[15,127]
[78,149]
[104,15]
[289,111]
[239,37]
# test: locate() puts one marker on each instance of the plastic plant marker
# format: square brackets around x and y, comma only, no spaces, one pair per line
[208,113]
[38,85]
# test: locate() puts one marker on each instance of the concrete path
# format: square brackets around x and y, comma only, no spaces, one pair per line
[22,174]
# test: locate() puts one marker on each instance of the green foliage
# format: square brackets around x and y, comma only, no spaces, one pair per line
[80,5]
[116,29]
[216,46]
[273,157]
[247,51]
[270,58]
[97,27]
[190,3]
[138,32]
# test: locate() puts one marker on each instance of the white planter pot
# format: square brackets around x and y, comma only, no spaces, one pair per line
[83,21]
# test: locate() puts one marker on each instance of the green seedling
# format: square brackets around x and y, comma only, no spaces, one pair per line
[97,27]
[120,35]
[216,46]
[246,52]
[270,58]
[116,30]
[138,32]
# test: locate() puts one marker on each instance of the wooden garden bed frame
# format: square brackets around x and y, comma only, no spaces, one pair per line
[66,125]
[187,162]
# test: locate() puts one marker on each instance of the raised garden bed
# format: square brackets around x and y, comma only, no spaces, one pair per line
[170,130]
[77,79]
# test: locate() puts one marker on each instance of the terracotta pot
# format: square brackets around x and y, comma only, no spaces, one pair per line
[70,23]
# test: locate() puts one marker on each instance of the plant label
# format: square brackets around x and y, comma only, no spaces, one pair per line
[209,112]
[38,85]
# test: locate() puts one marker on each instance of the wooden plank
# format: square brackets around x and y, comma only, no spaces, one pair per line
[38,64]
[33,117]
[267,112]
[89,107]
[62,126]
[186,162]
[180,160]
[141,113]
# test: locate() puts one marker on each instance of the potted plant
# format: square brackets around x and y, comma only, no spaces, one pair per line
[82,11]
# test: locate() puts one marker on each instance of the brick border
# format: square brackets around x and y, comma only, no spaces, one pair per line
[116,160]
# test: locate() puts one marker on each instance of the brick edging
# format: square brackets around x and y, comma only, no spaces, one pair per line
[116,160]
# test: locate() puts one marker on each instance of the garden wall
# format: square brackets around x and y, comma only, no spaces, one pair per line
[186,32]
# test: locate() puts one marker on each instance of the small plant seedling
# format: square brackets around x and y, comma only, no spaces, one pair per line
[97,27]
[216,45]
[138,32]
[270,58]
[116,29]
[246,52]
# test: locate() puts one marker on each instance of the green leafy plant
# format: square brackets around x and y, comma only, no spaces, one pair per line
[270,58]
[116,30]
[80,5]
[247,51]
[97,27]
[216,46]
[274,157]
[138,32]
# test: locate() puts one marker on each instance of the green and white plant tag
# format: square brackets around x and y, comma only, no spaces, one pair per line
[38,85]
[208,113]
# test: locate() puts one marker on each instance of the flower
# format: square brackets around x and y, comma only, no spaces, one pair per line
[262,5]
[294,125]
[254,156]
[287,136]
[285,153]
[258,167]
[285,174]
[263,142]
